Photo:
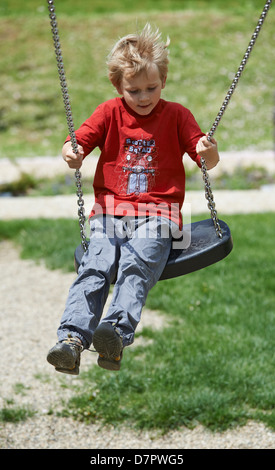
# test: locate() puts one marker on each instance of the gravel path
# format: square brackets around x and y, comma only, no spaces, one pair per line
[32,300]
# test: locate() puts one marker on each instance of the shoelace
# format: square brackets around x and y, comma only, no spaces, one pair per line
[75,342]
[70,340]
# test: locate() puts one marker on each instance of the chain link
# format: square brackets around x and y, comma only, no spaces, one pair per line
[210,199]
[69,117]
[208,192]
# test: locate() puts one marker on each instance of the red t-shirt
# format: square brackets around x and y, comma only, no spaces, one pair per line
[140,169]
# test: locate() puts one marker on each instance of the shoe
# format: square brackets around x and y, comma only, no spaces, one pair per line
[107,341]
[65,355]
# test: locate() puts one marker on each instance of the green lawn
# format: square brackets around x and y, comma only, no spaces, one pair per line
[213,363]
[208,40]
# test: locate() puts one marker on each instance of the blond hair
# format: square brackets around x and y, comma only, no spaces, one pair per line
[135,53]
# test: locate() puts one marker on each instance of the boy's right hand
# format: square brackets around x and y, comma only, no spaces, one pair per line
[73,160]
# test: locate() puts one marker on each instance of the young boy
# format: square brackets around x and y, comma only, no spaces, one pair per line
[139,189]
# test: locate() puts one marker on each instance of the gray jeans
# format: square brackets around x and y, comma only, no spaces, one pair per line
[129,252]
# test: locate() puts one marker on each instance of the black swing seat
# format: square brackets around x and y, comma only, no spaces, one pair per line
[205,248]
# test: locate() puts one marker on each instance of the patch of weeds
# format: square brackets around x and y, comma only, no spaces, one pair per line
[44,378]
[15,414]
[20,389]
[28,185]
[19,187]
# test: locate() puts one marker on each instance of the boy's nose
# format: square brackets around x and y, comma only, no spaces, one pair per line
[143,97]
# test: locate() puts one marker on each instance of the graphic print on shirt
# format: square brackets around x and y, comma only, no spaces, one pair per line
[139,164]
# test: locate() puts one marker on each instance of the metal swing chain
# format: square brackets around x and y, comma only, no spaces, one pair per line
[69,117]
[208,191]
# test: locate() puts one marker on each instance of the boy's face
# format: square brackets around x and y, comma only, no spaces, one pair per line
[142,92]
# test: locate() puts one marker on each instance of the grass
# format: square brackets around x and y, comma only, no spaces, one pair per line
[208,40]
[43,239]
[15,414]
[99,7]
[213,363]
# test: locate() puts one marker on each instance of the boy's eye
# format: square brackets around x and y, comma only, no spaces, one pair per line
[135,92]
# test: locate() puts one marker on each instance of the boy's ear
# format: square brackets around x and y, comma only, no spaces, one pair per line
[164,82]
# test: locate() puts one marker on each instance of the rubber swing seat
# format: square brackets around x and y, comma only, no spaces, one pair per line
[205,248]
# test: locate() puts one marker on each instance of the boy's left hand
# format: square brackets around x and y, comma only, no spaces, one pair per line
[209,151]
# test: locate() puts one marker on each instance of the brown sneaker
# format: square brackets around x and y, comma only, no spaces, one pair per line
[107,342]
[65,355]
